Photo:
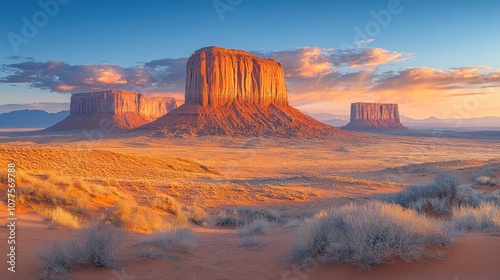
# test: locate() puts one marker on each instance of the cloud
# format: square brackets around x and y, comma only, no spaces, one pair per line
[158,75]
[427,84]
[367,57]
[314,76]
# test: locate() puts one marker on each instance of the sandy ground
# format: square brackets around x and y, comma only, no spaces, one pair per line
[299,177]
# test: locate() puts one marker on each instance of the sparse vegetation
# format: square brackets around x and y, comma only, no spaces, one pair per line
[437,195]
[256,227]
[166,203]
[197,215]
[368,235]
[61,217]
[96,247]
[252,242]
[129,215]
[485,216]
[485,180]
[182,240]
[241,216]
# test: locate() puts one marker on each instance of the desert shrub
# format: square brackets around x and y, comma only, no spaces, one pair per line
[485,180]
[61,217]
[166,203]
[437,195]
[129,215]
[241,216]
[96,247]
[442,195]
[368,235]
[256,227]
[197,215]
[157,253]
[177,240]
[485,216]
[42,192]
[252,242]
[467,196]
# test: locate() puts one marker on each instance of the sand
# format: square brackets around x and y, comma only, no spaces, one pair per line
[297,177]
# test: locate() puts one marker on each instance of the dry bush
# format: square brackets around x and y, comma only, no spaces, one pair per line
[437,195]
[256,227]
[485,180]
[241,216]
[181,239]
[61,217]
[485,216]
[443,195]
[197,215]
[127,214]
[167,203]
[95,247]
[252,242]
[368,235]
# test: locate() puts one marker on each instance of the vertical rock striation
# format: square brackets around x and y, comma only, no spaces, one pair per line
[374,117]
[217,76]
[117,109]
[232,92]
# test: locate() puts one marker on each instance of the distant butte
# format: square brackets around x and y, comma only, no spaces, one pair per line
[372,117]
[232,92]
[113,109]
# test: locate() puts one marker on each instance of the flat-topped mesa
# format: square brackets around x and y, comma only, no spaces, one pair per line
[120,102]
[235,93]
[374,117]
[114,109]
[217,76]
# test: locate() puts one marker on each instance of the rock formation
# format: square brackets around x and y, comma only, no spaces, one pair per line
[113,109]
[232,92]
[216,76]
[374,117]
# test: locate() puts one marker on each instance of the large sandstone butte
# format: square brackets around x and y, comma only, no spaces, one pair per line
[113,109]
[374,117]
[232,92]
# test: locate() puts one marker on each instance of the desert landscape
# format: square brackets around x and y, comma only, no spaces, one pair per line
[209,166]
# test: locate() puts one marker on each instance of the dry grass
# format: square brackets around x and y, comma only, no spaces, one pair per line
[129,215]
[485,216]
[166,203]
[173,240]
[197,215]
[61,217]
[95,247]
[368,235]
[104,164]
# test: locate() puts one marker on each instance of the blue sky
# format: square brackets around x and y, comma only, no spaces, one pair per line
[438,35]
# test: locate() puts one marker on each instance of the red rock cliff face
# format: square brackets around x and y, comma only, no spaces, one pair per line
[217,76]
[374,116]
[113,109]
[232,92]
[120,102]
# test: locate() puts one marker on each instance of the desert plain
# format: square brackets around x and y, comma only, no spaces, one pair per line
[293,179]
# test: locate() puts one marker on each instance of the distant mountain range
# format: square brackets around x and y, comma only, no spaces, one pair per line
[41,119]
[31,119]
[431,123]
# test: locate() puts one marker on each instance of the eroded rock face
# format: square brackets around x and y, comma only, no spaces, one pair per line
[217,76]
[120,102]
[113,109]
[234,93]
[374,116]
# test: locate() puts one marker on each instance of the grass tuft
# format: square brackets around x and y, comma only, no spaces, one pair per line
[368,235]
[96,247]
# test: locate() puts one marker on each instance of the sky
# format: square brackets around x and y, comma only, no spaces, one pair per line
[433,58]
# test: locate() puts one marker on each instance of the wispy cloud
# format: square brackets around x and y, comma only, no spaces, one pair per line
[314,75]
[158,75]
